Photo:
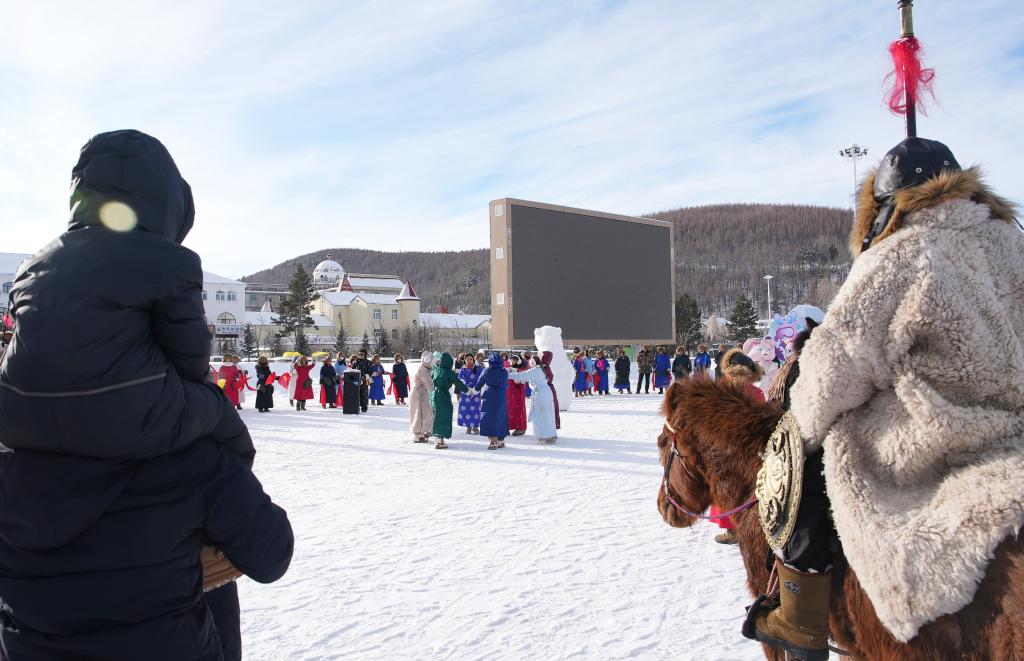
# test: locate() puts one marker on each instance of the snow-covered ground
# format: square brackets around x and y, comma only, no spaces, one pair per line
[530,552]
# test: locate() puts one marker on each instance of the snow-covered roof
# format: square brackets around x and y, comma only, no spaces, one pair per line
[377,299]
[375,282]
[346,298]
[453,320]
[10,261]
[338,297]
[214,279]
[268,319]
[408,294]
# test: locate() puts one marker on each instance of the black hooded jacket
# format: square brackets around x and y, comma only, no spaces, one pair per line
[119,293]
[126,460]
[100,559]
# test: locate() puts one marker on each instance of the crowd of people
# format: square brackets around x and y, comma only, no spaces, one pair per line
[491,390]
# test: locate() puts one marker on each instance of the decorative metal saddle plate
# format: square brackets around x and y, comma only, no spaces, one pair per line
[780,482]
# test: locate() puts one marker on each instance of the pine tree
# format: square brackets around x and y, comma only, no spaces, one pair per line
[688,321]
[384,342]
[293,312]
[301,345]
[249,344]
[365,345]
[743,322]
[341,343]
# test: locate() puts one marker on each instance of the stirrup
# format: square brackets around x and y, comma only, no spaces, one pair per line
[766,603]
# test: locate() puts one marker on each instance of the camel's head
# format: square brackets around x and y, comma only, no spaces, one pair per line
[684,477]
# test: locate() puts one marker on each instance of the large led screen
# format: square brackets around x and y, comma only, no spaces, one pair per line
[602,278]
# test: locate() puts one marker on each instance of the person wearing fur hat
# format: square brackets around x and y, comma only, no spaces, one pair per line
[922,448]
[738,368]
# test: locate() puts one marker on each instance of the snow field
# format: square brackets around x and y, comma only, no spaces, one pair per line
[529,552]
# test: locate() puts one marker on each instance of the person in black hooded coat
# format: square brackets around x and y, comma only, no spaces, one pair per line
[132,462]
[118,291]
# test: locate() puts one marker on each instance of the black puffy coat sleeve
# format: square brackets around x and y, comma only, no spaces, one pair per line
[241,521]
[179,323]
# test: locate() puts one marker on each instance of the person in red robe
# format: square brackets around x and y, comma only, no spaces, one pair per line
[231,375]
[304,383]
[515,397]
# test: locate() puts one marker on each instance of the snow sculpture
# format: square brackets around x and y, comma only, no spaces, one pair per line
[549,338]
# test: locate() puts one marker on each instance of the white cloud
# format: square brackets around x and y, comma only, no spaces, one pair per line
[391,125]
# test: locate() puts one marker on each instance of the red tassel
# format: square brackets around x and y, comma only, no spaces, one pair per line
[909,78]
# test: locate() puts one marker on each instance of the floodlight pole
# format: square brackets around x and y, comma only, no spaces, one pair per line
[854,153]
[768,279]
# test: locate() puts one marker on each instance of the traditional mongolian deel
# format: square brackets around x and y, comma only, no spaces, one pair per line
[377,383]
[542,404]
[662,370]
[400,381]
[580,384]
[444,378]
[912,385]
[515,398]
[494,409]
[421,415]
[469,403]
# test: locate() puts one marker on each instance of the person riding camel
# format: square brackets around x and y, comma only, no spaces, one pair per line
[910,397]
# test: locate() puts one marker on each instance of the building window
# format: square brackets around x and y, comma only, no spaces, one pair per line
[252,298]
[376,314]
[220,296]
[394,333]
[204,294]
[226,318]
[394,315]
[231,296]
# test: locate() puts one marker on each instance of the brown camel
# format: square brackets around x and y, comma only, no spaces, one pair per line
[719,433]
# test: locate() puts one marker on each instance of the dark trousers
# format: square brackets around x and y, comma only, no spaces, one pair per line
[364,397]
[814,538]
[644,378]
[223,605]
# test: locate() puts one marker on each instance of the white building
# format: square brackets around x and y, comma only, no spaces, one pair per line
[224,301]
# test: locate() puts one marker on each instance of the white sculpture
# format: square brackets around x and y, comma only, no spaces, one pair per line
[549,338]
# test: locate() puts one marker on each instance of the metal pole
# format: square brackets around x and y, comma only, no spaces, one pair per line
[906,8]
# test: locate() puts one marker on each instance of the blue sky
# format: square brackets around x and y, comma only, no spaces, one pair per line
[391,125]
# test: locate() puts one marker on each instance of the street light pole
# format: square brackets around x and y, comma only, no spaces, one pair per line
[768,279]
[854,153]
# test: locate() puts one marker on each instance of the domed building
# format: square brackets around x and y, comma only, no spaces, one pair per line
[327,274]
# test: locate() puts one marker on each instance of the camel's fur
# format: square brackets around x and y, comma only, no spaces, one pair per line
[720,433]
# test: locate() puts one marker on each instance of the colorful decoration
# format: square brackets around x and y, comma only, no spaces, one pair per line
[783,330]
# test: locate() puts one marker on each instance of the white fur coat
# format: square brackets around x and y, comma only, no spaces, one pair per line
[914,385]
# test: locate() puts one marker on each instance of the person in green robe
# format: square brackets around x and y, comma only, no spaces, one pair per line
[444,378]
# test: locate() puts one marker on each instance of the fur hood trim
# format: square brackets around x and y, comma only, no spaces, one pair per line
[948,185]
[740,373]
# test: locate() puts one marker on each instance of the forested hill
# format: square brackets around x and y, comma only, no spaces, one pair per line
[721,251]
[727,249]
